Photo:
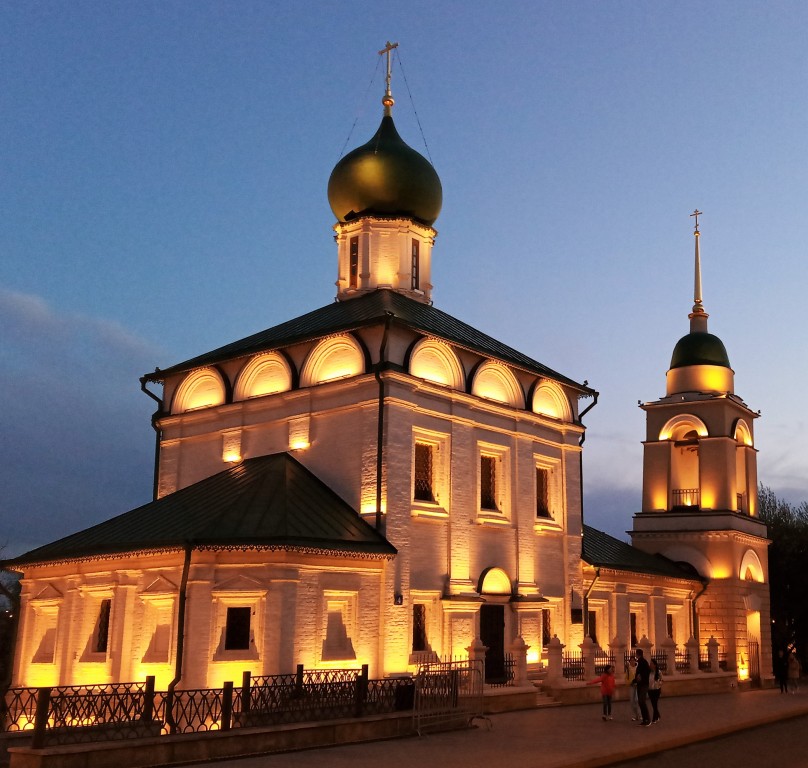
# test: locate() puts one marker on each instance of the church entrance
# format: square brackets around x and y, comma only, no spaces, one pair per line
[492,633]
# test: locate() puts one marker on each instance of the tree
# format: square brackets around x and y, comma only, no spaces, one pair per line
[787,526]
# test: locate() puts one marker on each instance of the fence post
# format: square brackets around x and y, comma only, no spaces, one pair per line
[692,646]
[147,713]
[712,654]
[41,717]
[555,660]
[519,649]
[668,647]
[361,690]
[588,649]
[227,705]
[299,680]
[246,699]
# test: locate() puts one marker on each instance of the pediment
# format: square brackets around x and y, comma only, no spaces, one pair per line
[240,583]
[160,586]
[48,593]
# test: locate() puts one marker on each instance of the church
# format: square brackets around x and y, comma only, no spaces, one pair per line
[377,482]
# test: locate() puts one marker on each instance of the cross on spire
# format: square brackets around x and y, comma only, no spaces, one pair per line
[696,213]
[388,96]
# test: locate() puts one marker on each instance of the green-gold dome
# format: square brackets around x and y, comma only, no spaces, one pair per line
[699,348]
[385,177]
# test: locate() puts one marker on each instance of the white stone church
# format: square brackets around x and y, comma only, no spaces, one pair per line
[376,482]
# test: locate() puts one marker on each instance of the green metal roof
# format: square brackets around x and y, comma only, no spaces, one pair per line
[367,310]
[603,551]
[269,502]
[699,348]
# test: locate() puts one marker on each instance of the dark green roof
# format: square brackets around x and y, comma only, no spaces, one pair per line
[362,311]
[603,551]
[269,502]
[699,348]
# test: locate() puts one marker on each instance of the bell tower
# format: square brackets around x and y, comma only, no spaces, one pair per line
[699,499]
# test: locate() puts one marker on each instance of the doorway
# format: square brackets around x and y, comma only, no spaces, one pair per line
[492,633]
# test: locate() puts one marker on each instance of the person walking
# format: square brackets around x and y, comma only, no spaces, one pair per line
[642,677]
[781,670]
[794,671]
[631,679]
[654,690]
[607,686]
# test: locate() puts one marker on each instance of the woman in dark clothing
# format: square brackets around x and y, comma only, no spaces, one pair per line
[654,689]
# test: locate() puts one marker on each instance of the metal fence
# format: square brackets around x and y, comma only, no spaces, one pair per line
[508,669]
[448,695]
[572,666]
[78,714]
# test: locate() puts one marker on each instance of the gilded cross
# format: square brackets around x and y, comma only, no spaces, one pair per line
[388,49]
[696,213]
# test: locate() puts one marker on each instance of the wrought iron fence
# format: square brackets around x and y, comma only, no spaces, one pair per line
[682,659]
[572,666]
[508,669]
[603,660]
[661,659]
[77,714]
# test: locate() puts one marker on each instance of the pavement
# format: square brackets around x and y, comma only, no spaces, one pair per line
[557,737]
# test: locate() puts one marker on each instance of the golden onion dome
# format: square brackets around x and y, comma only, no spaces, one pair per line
[387,178]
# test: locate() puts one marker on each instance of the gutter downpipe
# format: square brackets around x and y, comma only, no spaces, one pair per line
[586,601]
[581,453]
[380,432]
[157,437]
[186,567]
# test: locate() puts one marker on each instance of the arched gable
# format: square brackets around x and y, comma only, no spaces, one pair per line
[494,581]
[496,382]
[435,361]
[203,388]
[336,358]
[681,553]
[264,374]
[751,568]
[549,400]
[679,426]
[742,433]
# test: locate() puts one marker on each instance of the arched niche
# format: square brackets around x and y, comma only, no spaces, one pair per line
[549,400]
[681,553]
[751,568]
[680,427]
[203,388]
[336,358]
[265,374]
[495,382]
[742,433]
[435,361]
[494,581]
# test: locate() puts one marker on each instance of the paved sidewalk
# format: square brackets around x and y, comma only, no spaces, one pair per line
[556,737]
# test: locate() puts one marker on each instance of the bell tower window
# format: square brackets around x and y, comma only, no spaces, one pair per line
[353,266]
[416,265]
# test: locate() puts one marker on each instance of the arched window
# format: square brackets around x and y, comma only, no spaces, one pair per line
[435,361]
[200,389]
[335,358]
[684,431]
[494,581]
[496,382]
[743,434]
[751,568]
[549,400]
[264,375]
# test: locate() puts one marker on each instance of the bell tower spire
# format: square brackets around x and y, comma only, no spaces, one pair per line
[698,317]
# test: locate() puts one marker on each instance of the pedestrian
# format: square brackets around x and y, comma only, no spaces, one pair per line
[655,689]
[794,671]
[642,675]
[631,679]
[607,686]
[781,670]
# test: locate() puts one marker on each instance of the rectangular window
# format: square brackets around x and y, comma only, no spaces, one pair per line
[416,265]
[633,623]
[546,627]
[669,624]
[488,482]
[237,629]
[542,492]
[423,490]
[353,281]
[102,627]
[419,642]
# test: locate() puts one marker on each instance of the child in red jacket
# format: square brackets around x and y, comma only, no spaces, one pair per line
[607,686]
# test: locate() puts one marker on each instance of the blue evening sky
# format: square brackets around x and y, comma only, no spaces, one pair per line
[164,167]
